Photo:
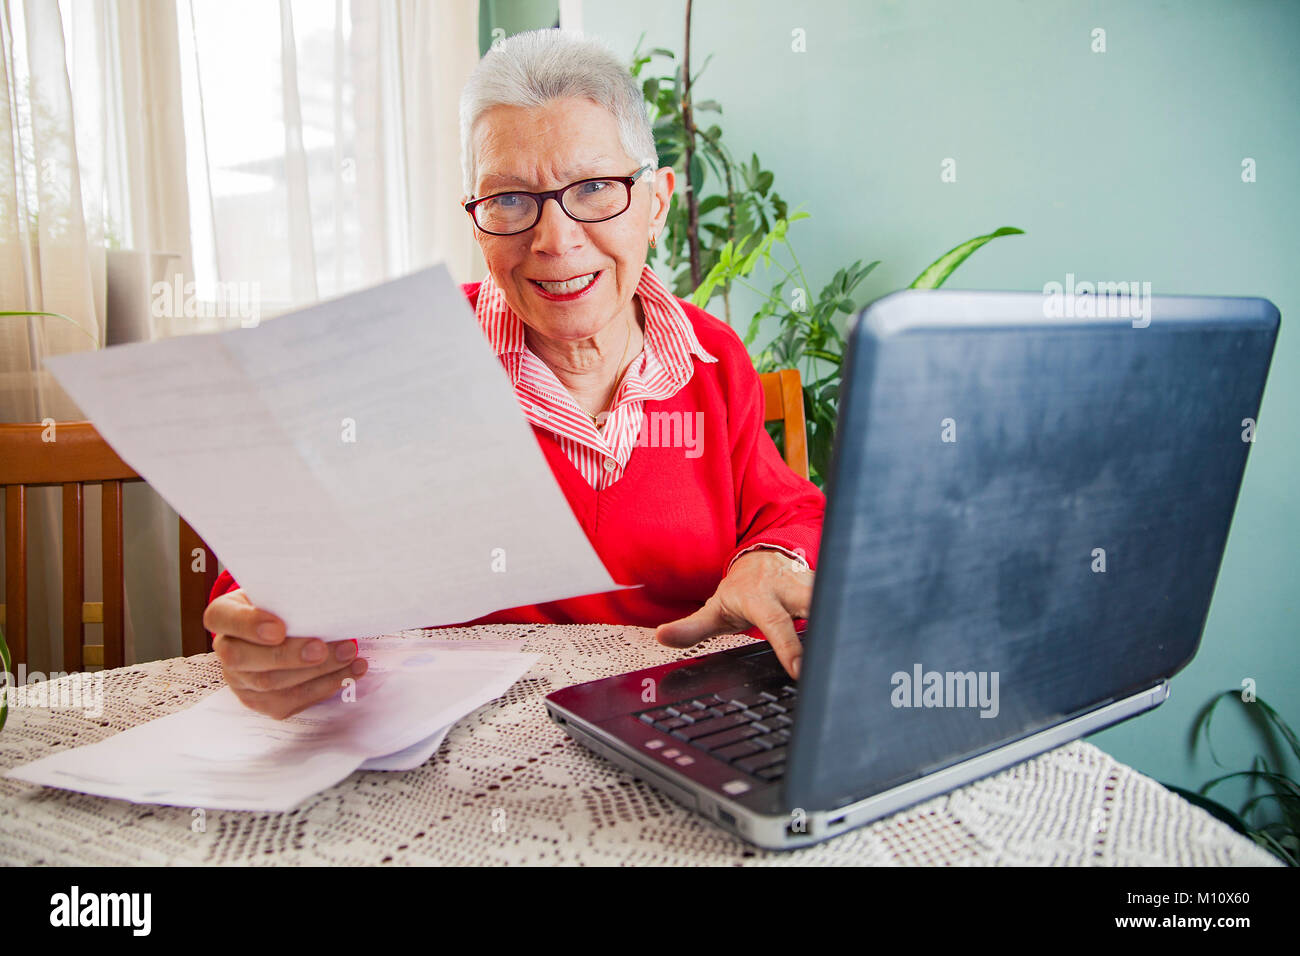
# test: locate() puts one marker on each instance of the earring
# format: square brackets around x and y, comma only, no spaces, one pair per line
[652,241]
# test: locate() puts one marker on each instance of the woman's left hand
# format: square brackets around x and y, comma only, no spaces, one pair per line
[765,589]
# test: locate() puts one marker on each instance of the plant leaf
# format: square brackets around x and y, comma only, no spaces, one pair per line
[933,275]
[53,315]
[7,669]
[1212,807]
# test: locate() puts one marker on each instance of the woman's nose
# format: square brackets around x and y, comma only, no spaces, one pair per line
[555,233]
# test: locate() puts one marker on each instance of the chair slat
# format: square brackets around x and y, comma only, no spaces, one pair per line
[796,428]
[71,455]
[774,405]
[195,588]
[74,575]
[783,402]
[114,608]
[16,573]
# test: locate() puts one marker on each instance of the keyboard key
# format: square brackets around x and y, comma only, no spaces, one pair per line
[737,750]
[654,716]
[767,695]
[729,708]
[758,761]
[706,727]
[781,721]
[774,772]
[726,737]
[783,733]
[750,700]
[762,727]
[768,741]
[788,689]
[671,724]
[709,700]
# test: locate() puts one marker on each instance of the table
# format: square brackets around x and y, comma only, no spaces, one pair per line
[508,786]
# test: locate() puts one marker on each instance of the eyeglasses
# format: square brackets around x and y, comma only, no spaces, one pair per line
[587,200]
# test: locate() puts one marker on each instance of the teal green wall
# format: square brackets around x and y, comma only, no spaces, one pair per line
[514,16]
[1122,165]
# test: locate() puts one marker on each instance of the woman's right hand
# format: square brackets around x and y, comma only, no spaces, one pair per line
[269,672]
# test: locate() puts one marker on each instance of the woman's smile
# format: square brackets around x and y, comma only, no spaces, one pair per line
[566,290]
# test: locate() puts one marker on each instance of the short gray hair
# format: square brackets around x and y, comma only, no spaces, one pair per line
[530,69]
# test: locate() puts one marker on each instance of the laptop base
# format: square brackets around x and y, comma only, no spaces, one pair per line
[788,830]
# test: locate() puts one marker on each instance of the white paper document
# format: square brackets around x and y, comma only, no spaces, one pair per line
[361,466]
[420,751]
[221,755]
[410,758]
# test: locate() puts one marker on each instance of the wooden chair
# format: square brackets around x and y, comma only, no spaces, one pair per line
[79,456]
[783,393]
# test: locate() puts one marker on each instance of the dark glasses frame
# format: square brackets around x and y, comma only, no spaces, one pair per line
[558,195]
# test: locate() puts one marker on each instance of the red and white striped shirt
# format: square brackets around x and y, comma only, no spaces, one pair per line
[659,372]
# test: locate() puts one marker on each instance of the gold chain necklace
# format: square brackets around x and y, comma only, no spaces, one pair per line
[595,419]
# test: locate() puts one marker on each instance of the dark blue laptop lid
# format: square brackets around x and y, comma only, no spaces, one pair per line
[1027,512]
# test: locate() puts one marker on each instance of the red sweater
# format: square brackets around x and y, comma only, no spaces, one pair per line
[674,523]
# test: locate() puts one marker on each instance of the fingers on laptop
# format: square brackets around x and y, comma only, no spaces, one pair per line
[775,621]
[693,628]
[771,616]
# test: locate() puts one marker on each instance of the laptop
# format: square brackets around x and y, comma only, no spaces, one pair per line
[1026,513]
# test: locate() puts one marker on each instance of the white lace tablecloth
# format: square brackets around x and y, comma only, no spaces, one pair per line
[508,786]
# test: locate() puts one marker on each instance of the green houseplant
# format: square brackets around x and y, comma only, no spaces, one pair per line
[6,662]
[810,336]
[1281,834]
[728,219]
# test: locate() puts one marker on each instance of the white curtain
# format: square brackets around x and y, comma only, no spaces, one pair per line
[286,152]
[327,144]
[92,210]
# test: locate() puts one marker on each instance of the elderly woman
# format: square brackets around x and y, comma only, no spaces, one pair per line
[647,409]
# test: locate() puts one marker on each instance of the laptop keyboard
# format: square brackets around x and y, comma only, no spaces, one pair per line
[750,731]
